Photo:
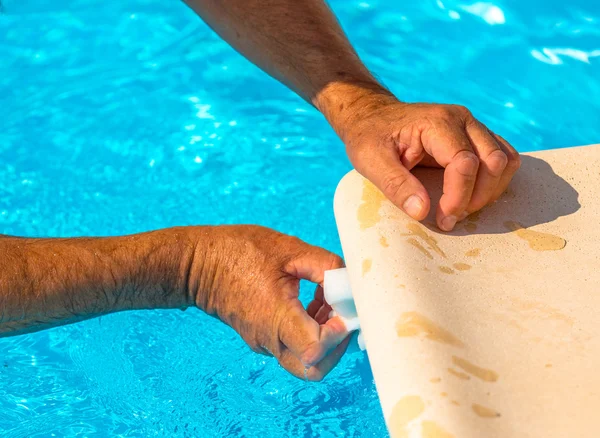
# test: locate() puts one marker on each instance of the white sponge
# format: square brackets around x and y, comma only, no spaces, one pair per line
[338,295]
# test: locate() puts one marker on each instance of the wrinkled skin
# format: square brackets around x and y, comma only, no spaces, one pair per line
[386,138]
[254,281]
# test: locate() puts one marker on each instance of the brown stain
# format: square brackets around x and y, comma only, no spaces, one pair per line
[402,286]
[435,380]
[548,365]
[481,373]
[454,402]
[430,429]
[444,394]
[366,266]
[537,241]
[458,374]
[461,266]
[474,217]
[413,324]
[484,412]
[473,252]
[414,242]
[405,410]
[368,211]
[383,242]
[446,270]
[530,309]
[471,227]
[418,230]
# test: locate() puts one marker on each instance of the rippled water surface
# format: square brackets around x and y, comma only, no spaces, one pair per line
[118,117]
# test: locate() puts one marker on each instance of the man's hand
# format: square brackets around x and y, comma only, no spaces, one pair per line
[247,276]
[302,44]
[253,277]
[386,138]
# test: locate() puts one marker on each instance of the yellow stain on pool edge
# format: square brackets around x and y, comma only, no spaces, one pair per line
[484,412]
[481,373]
[430,429]
[368,211]
[537,241]
[419,231]
[413,324]
[366,266]
[405,410]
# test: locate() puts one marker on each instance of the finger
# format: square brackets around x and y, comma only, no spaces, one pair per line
[492,162]
[317,302]
[322,314]
[382,166]
[305,338]
[451,148]
[318,371]
[312,262]
[513,165]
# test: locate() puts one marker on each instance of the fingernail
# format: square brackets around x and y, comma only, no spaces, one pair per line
[413,206]
[448,223]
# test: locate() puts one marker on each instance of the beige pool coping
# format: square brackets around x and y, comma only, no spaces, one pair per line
[491,330]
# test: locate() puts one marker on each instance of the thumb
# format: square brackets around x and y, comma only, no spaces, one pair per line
[306,343]
[383,167]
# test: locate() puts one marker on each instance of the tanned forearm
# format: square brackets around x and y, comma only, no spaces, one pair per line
[300,43]
[50,282]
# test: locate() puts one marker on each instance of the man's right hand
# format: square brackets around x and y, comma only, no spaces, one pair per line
[250,280]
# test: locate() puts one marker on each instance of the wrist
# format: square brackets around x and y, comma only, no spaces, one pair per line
[346,101]
[166,268]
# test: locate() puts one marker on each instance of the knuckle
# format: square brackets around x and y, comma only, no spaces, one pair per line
[394,185]
[310,355]
[467,163]
[336,261]
[497,162]
[462,112]
[443,112]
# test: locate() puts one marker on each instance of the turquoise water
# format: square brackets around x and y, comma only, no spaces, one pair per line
[120,117]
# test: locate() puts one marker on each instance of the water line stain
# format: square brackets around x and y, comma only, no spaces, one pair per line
[435,380]
[461,266]
[537,241]
[383,242]
[479,372]
[407,409]
[413,324]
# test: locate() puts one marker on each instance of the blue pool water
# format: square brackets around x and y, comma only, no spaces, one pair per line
[118,117]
